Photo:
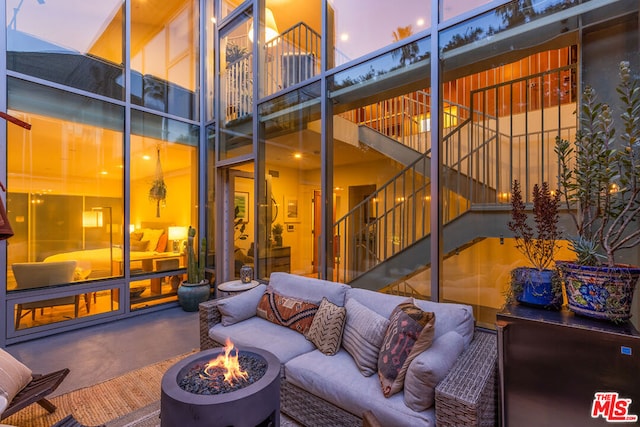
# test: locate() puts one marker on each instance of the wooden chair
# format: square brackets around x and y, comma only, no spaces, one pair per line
[36,392]
[31,275]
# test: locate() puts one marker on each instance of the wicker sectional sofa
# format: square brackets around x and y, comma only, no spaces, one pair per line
[318,389]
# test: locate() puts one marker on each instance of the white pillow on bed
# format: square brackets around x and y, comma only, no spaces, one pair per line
[152,235]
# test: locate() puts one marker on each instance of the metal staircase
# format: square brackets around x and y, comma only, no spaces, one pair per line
[482,155]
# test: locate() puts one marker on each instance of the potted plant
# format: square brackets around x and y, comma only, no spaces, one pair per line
[599,181]
[537,285]
[277,234]
[196,288]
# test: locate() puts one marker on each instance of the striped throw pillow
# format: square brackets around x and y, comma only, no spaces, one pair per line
[327,326]
[364,331]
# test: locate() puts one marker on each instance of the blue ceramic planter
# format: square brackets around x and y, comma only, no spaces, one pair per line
[600,292]
[536,288]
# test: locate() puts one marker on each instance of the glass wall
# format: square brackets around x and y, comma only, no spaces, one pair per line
[289,199]
[77,44]
[357,27]
[293,44]
[236,88]
[67,214]
[511,104]
[164,193]
[164,56]
[381,170]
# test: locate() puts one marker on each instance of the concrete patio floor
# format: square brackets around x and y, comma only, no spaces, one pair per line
[98,353]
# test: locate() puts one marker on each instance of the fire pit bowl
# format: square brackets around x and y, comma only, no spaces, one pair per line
[257,404]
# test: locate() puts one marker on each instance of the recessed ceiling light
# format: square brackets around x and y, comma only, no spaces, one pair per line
[104,173]
[344,37]
[420,22]
[297,155]
[146,157]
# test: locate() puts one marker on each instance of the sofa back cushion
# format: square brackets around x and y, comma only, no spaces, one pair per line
[240,307]
[429,368]
[308,288]
[291,312]
[449,316]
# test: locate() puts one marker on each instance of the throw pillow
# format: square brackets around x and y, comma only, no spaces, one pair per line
[410,332]
[139,245]
[240,307]
[136,235]
[429,368]
[364,331]
[291,312]
[327,326]
[162,243]
[152,235]
[14,376]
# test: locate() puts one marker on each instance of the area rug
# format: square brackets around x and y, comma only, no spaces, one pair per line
[128,400]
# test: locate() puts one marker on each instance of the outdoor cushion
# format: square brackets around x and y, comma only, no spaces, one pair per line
[283,342]
[327,327]
[429,368]
[308,288]
[241,306]
[363,334]
[449,316]
[409,333]
[14,375]
[337,380]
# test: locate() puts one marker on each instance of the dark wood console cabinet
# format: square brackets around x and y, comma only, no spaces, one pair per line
[277,258]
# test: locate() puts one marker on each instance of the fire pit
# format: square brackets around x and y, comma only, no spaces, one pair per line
[194,394]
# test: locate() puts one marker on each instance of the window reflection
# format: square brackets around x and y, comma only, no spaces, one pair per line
[164,56]
[78,44]
[351,39]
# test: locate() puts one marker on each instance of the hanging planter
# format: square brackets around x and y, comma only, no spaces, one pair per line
[158,191]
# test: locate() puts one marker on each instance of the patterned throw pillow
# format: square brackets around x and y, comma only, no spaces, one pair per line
[410,332]
[286,311]
[327,326]
[364,331]
[14,376]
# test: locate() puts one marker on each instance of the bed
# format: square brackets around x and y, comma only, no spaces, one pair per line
[148,245]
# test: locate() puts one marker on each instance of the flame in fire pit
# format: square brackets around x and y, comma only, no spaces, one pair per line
[228,362]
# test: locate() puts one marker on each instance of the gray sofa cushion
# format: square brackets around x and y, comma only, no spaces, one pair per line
[283,342]
[308,288]
[240,307]
[449,316]
[337,380]
[429,368]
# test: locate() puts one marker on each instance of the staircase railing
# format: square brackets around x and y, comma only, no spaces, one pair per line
[289,58]
[407,118]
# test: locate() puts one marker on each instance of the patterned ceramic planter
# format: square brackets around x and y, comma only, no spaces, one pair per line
[190,295]
[534,287]
[600,292]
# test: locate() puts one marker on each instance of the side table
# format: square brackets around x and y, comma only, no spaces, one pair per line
[235,287]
